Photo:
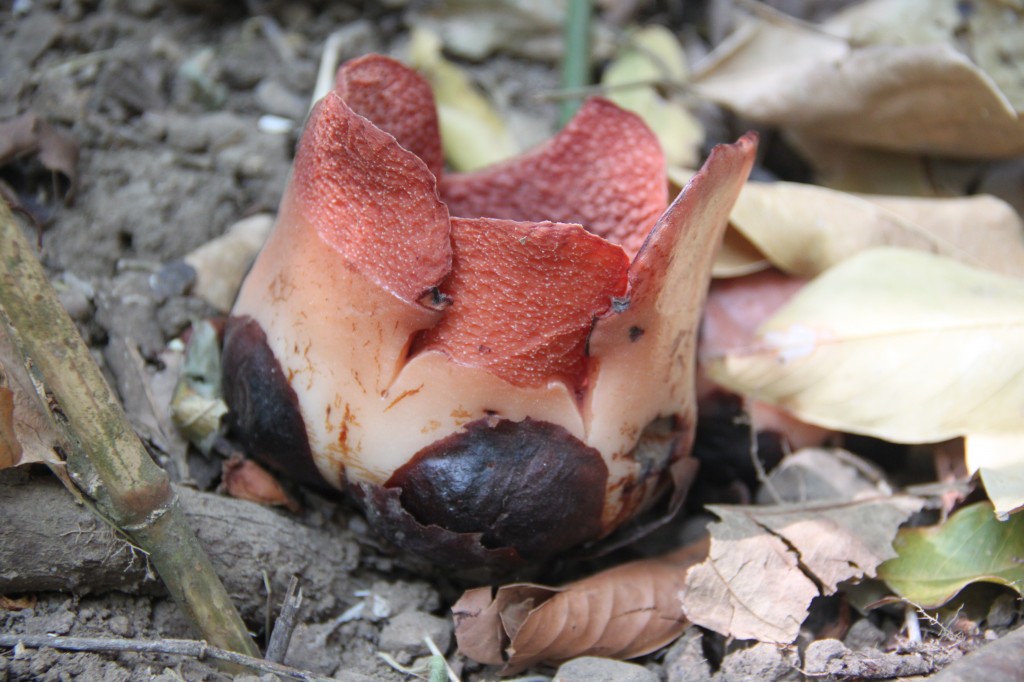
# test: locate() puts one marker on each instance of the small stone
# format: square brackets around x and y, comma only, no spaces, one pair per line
[594,669]
[405,634]
[864,635]
[173,279]
[1002,612]
[821,653]
[275,98]
[685,661]
[763,661]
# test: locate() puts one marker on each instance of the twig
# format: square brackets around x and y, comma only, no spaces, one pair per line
[576,62]
[105,458]
[285,625]
[755,458]
[177,647]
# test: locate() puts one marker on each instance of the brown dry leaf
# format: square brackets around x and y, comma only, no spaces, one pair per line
[28,134]
[624,612]
[25,601]
[753,584]
[246,480]
[804,229]
[26,435]
[928,99]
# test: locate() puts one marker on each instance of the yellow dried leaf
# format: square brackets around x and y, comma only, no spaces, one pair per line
[893,343]
[653,55]
[472,132]
[999,460]
[804,229]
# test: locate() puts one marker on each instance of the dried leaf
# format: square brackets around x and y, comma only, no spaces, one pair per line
[805,230]
[247,480]
[624,612]
[999,460]
[197,406]
[898,344]
[753,584]
[653,55]
[927,99]
[936,562]
[221,263]
[26,435]
[472,132]
[25,601]
[28,134]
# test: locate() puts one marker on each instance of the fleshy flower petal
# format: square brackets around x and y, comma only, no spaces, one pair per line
[493,388]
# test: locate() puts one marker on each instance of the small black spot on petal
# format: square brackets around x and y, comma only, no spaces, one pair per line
[635,333]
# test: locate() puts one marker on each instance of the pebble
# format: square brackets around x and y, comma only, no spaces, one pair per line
[405,634]
[173,279]
[594,669]
[275,98]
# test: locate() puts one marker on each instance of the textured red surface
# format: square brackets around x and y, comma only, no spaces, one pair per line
[524,297]
[371,200]
[604,170]
[397,100]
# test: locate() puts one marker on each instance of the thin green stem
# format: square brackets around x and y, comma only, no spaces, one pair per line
[576,60]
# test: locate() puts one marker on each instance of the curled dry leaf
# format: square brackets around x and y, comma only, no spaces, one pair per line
[623,612]
[653,55]
[999,460]
[897,344]
[473,133]
[221,263]
[26,435]
[928,99]
[804,229]
[246,480]
[765,563]
[28,134]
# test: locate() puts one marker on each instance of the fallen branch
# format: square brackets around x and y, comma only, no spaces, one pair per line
[175,647]
[105,458]
[50,544]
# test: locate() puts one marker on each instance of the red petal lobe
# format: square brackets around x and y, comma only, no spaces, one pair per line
[397,100]
[524,297]
[372,200]
[604,170]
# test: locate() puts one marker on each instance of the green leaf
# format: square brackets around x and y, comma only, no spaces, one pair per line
[934,563]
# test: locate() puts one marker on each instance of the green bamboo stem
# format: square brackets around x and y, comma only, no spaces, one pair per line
[576,59]
[104,457]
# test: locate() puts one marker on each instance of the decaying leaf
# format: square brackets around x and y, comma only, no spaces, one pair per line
[898,344]
[28,134]
[653,55]
[221,263]
[934,563]
[804,229]
[473,134]
[753,584]
[26,435]
[527,28]
[999,460]
[247,480]
[197,406]
[623,612]
[924,98]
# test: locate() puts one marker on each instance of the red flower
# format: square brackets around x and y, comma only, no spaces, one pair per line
[497,365]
